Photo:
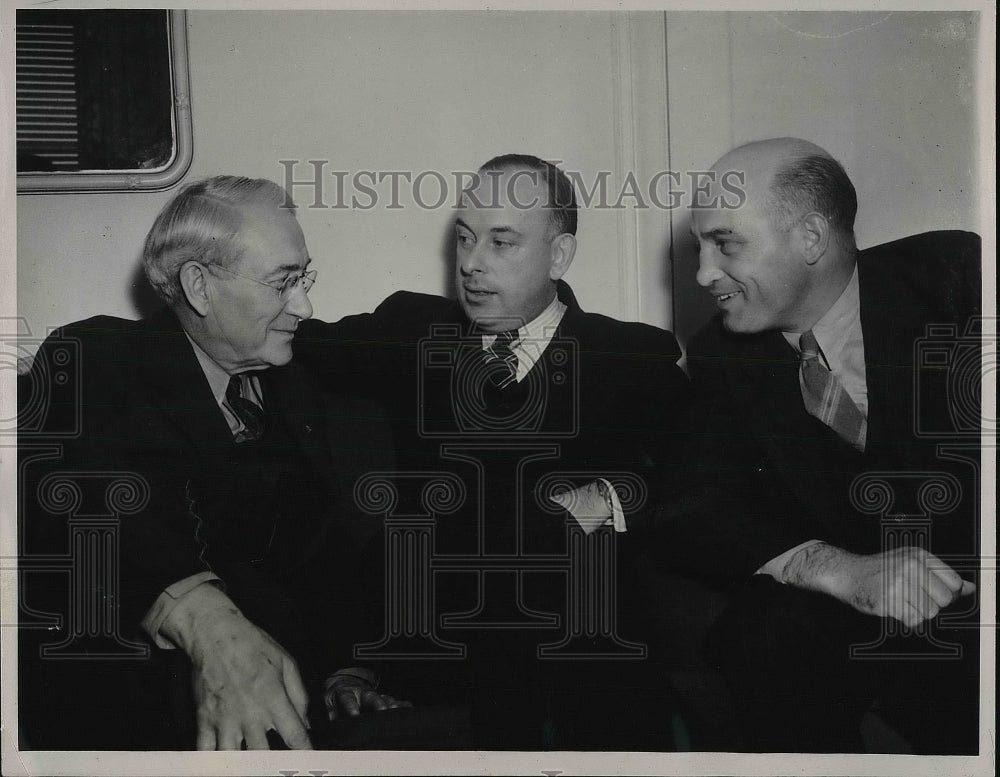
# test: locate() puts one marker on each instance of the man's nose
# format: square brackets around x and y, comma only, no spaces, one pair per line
[708,271]
[298,303]
[470,260]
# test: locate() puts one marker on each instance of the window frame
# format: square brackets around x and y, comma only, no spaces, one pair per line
[136,179]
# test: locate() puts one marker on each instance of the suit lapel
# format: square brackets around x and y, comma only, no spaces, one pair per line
[889,328]
[175,377]
[302,414]
[167,364]
[766,382]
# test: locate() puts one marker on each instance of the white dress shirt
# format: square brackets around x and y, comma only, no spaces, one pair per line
[533,338]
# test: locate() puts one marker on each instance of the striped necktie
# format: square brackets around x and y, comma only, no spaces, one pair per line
[250,414]
[502,359]
[825,398]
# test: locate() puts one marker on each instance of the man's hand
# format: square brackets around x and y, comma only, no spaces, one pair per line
[908,584]
[245,684]
[351,692]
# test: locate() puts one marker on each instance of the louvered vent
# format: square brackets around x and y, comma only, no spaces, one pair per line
[47,95]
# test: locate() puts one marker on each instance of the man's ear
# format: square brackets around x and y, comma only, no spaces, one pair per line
[814,232]
[562,251]
[195,287]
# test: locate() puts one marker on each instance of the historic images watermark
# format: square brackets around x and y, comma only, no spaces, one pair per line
[490,451]
[313,186]
[80,509]
[914,506]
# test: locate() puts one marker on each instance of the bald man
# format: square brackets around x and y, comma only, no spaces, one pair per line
[810,411]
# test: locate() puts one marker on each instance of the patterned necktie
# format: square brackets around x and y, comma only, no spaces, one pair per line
[505,360]
[249,413]
[825,397]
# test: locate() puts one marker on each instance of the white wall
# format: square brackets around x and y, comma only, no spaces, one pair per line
[891,95]
[381,91]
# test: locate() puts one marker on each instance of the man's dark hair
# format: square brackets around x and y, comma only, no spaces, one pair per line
[815,183]
[561,196]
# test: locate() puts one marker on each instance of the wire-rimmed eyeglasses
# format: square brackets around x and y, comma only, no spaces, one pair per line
[285,286]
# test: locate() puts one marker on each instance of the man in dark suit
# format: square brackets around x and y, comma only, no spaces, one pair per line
[519,393]
[829,484]
[237,538]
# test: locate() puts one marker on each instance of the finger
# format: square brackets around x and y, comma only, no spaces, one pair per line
[967,588]
[206,738]
[230,738]
[348,701]
[925,604]
[296,690]
[256,738]
[948,575]
[929,608]
[406,704]
[290,729]
[390,702]
[370,700]
[913,617]
[938,591]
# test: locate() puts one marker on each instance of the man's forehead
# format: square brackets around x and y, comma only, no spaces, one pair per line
[714,221]
[271,237]
[476,214]
[517,187]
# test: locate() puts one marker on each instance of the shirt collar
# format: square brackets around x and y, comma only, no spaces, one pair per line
[533,337]
[835,328]
[218,378]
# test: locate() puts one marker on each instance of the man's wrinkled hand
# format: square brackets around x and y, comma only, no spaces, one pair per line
[350,696]
[245,684]
[907,584]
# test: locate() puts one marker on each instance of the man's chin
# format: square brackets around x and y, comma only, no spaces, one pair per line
[741,326]
[278,358]
[734,324]
[480,316]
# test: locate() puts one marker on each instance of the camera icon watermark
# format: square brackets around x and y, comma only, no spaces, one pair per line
[48,382]
[948,381]
[458,393]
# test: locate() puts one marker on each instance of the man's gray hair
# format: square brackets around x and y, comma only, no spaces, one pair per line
[202,223]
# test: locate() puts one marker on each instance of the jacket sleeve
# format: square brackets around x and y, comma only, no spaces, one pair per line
[718,512]
[90,473]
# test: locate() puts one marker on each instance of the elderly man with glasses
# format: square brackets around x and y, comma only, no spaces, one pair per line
[245,551]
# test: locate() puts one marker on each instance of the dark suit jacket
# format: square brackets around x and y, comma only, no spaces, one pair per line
[603,400]
[137,401]
[607,392]
[762,476]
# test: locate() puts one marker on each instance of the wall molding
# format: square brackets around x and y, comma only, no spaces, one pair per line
[625,162]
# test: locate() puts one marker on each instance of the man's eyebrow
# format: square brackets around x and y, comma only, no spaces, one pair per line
[284,269]
[501,230]
[505,231]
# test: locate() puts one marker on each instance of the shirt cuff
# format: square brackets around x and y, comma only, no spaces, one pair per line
[348,677]
[593,505]
[165,603]
[776,566]
[617,514]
